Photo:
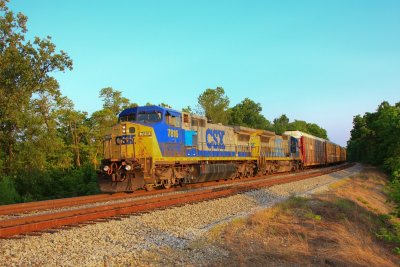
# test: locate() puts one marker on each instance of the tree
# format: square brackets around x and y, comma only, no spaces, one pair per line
[248,113]
[310,128]
[75,127]
[162,104]
[281,124]
[25,70]
[187,109]
[102,120]
[214,105]
[113,100]
[375,139]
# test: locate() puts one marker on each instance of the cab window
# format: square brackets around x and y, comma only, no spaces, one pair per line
[130,117]
[149,117]
[172,120]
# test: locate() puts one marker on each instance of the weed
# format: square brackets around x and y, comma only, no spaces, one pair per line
[238,221]
[313,216]
[362,200]
[345,205]
[387,235]
[294,202]
[215,232]
[385,217]
[339,183]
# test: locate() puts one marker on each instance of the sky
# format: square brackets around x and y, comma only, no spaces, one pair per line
[319,61]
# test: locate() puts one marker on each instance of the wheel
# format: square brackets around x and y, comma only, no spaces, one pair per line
[149,187]
[167,183]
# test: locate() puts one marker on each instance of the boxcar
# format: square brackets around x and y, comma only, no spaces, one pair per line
[312,149]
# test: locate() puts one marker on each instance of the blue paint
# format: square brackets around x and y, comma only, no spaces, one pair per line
[175,141]
[189,138]
[215,138]
[171,142]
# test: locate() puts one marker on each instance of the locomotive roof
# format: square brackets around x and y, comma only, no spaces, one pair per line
[243,129]
[148,109]
[299,134]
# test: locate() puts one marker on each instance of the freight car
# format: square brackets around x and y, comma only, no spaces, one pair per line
[153,146]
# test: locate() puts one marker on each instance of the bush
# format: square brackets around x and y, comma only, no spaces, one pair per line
[393,191]
[8,193]
[52,184]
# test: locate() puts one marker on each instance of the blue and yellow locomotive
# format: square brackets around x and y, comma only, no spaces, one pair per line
[153,146]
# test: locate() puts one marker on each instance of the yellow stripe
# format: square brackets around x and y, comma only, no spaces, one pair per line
[183,159]
[202,158]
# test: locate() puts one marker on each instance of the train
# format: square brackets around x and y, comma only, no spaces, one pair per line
[157,147]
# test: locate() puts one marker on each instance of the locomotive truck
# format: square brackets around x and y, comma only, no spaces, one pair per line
[157,147]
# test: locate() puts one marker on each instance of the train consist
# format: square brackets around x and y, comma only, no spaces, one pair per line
[153,146]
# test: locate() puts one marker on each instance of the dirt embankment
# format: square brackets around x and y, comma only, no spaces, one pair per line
[347,225]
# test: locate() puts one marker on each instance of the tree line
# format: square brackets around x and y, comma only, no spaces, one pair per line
[214,104]
[51,150]
[375,139]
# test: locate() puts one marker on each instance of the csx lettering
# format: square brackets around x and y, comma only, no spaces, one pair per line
[124,139]
[173,133]
[215,138]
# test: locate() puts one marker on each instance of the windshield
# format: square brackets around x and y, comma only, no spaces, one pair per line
[130,117]
[152,116]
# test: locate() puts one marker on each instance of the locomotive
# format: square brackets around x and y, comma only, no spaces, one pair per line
[157,147]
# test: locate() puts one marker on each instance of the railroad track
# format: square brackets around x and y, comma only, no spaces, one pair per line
[87,215]
[22,208]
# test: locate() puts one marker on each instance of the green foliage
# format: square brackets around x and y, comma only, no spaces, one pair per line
[248,113]
[311,215]
[390,232]
[50,184]
[393,191]
[46,144]
[214,104]
[113,100]
[8,193]
[188,109]
[164,105]
[26,84]
[310,128]
[282,124]
[375,139]
[294,202]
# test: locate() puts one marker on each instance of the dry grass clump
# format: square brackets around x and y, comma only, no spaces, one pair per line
[340,228]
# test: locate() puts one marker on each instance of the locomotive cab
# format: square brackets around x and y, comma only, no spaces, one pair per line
[129,147]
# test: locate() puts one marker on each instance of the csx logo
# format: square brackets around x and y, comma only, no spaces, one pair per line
[124,139]
[215,138]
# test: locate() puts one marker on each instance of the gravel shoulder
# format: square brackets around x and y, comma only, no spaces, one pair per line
[164,237]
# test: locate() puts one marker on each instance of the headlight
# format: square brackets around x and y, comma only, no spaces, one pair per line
[106,168]
[128,167]
[123,128]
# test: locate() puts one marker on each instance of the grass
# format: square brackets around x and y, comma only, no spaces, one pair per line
[362,200]
[348,226]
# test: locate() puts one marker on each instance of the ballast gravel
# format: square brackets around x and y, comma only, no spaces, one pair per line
[159,238]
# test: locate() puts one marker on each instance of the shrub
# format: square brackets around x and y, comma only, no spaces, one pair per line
[8,193]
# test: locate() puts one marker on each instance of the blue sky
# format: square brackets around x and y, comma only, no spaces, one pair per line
[318,61]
